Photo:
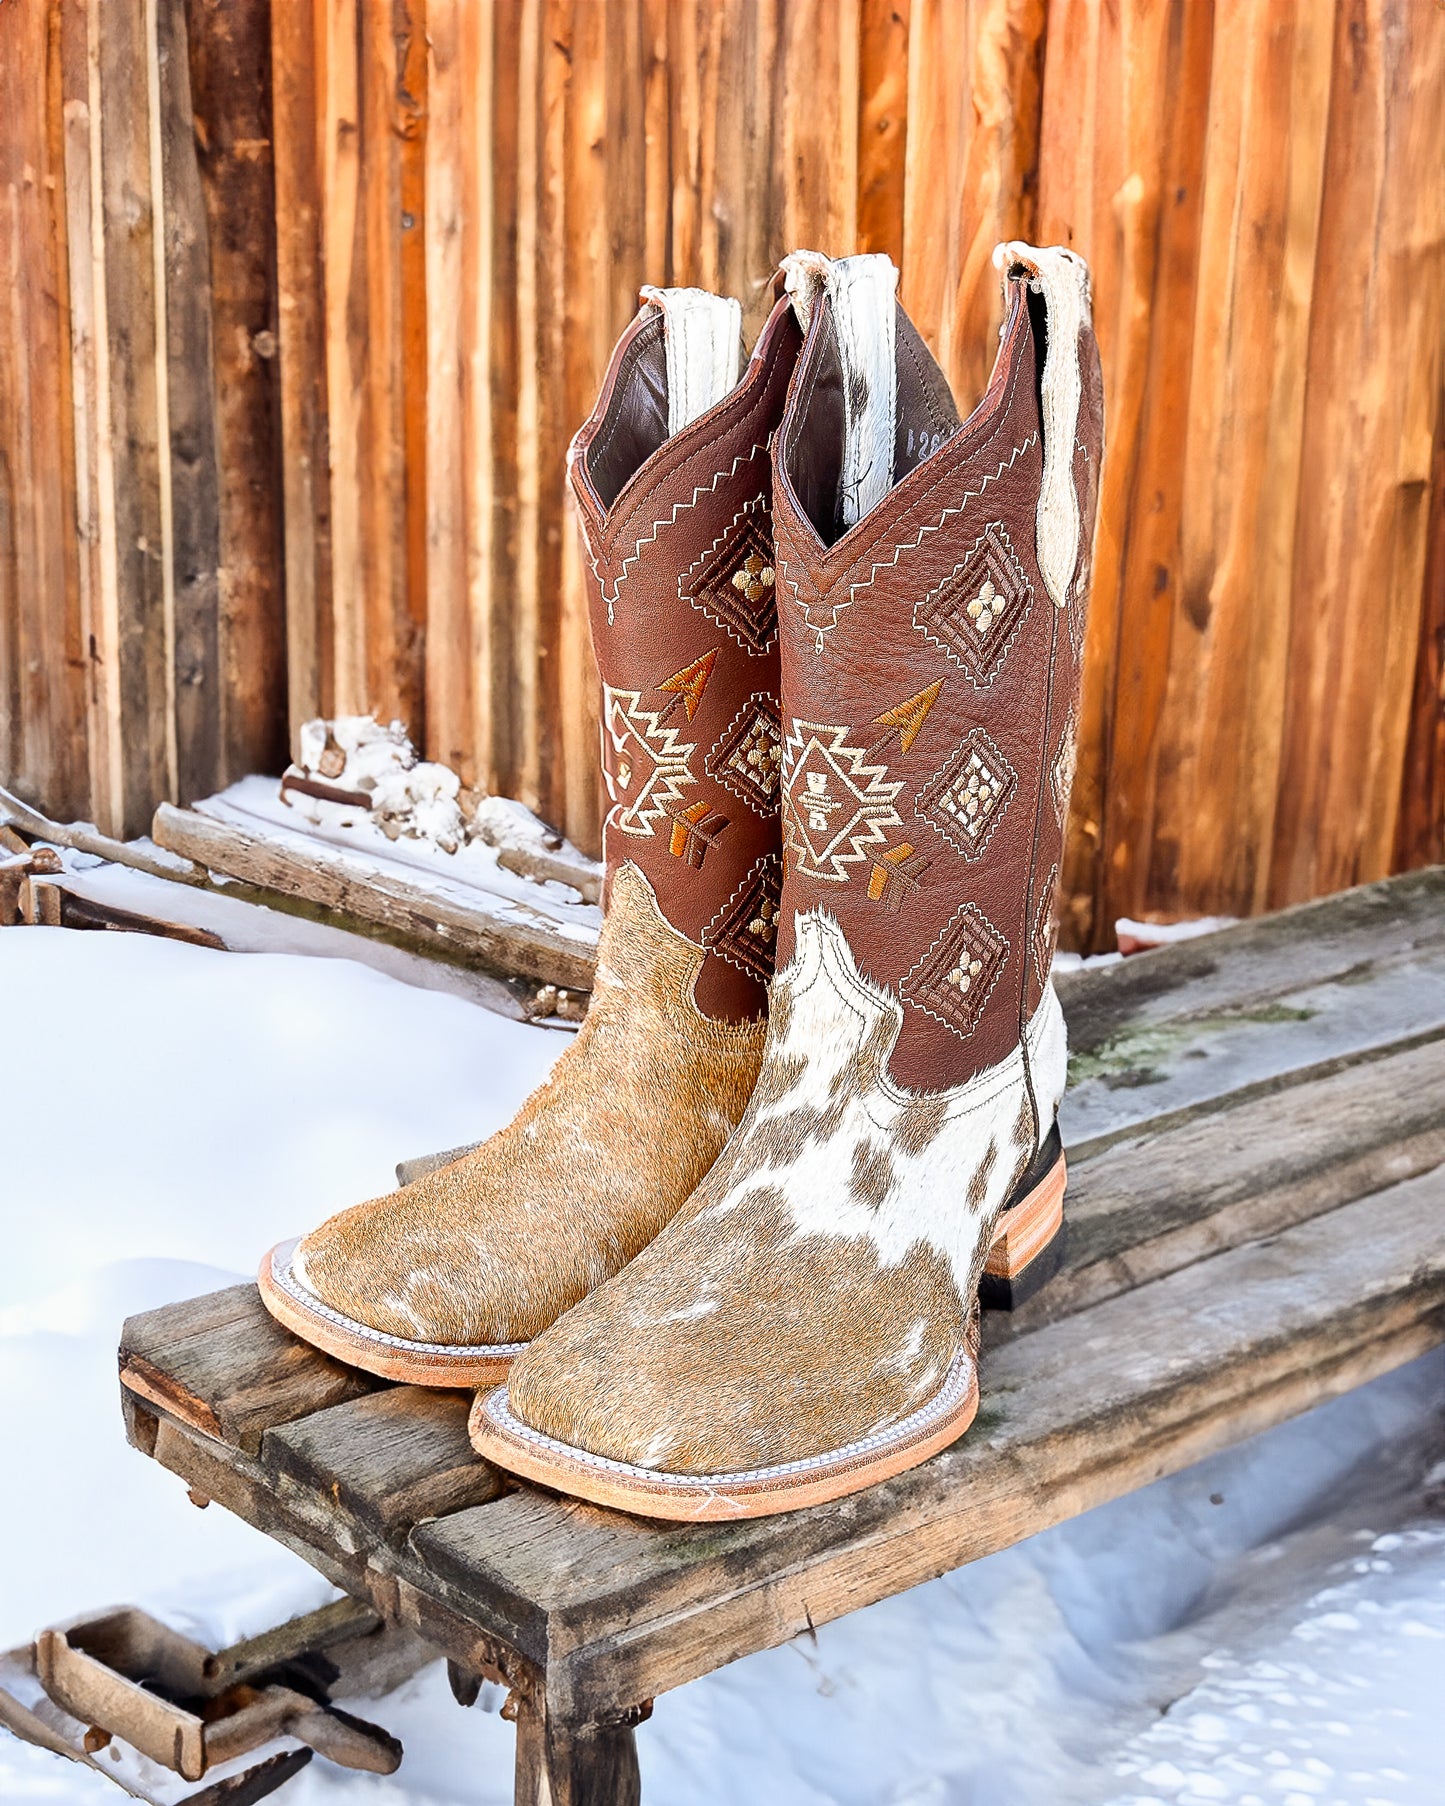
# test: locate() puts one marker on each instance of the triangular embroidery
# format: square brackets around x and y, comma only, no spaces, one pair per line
[689,684]
[908,717]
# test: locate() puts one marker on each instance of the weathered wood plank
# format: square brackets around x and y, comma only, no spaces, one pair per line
[223,1364]
[1170,1029]
[385,1461]
[1176,1192]
[507,936]
[389,1579]
[1075,1414]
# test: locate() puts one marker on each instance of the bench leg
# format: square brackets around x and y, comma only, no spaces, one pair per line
[574,1764]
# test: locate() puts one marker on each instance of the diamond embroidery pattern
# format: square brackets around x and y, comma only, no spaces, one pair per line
[953,980]
[1045,929]
[744,931]
[966,799]
[975,613]
[836,806]
[1061,771]
[734,583]
[748,757]
[644,765]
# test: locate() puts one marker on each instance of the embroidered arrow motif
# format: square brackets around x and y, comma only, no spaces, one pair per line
[895,873]
[907,718]
[694,830]
[688,685]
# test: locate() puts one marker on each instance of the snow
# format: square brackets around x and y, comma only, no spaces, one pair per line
[1266,1629]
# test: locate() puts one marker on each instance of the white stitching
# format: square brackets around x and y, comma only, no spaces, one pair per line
[907,546]
[679,508]
[957,1384]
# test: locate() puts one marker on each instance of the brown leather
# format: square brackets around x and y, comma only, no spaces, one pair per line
[892,693]
[685,631]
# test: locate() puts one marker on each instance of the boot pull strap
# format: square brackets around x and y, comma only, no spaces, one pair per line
[861,291]
[703,336]
[1061,279]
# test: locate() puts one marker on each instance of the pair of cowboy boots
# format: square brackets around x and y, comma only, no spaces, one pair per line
[729,1258]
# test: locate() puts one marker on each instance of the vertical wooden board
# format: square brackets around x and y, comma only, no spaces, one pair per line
[410,108]
[657,140]
[90,404]
[738,181]
[1420,838]
[882,125]
[1222,716]
[451,343]
[1374,383]
[997,181]
[297,98]
[146,623]
[936,51]
[231,85]
[191,467]
[818,57]
[347,334]
[42,668]
[499,701]
[557,88]
[391,357]
[1120,181]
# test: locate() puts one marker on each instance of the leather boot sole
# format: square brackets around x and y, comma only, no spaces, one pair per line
[389,1357]
[1026,1232]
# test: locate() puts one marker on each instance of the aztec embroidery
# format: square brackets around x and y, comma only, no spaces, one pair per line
[953,980]
[965,799]
[745,929]
[976,611]
[836,806]
[644,765]
[1046,927]
[749,754]
[734,583]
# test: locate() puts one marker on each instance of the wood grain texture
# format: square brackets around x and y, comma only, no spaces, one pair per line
[1291,1222]
[502,935]
[425,224]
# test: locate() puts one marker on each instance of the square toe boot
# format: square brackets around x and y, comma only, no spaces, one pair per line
[807,1323]
[446,1280]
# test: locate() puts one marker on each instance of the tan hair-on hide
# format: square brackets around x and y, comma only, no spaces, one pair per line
[817,1286]
[493,1247]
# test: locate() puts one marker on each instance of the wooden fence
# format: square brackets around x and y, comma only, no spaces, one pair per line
[306,297]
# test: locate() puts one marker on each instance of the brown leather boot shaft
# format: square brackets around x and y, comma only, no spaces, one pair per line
[683,604]
[930,676]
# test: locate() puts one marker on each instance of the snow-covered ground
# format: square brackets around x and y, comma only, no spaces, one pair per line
[1267,1629]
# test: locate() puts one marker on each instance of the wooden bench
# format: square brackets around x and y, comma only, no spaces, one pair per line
[1256,1132]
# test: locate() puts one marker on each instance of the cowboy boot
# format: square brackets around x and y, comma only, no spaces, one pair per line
[443,1282]
[806,1324]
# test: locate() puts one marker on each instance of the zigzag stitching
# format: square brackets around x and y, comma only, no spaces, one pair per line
[908,546]
[679,508]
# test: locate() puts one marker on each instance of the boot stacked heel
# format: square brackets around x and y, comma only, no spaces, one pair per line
[1029,1240]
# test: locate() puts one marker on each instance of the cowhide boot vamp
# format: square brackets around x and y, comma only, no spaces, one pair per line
[443,1280]
[803,1325]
